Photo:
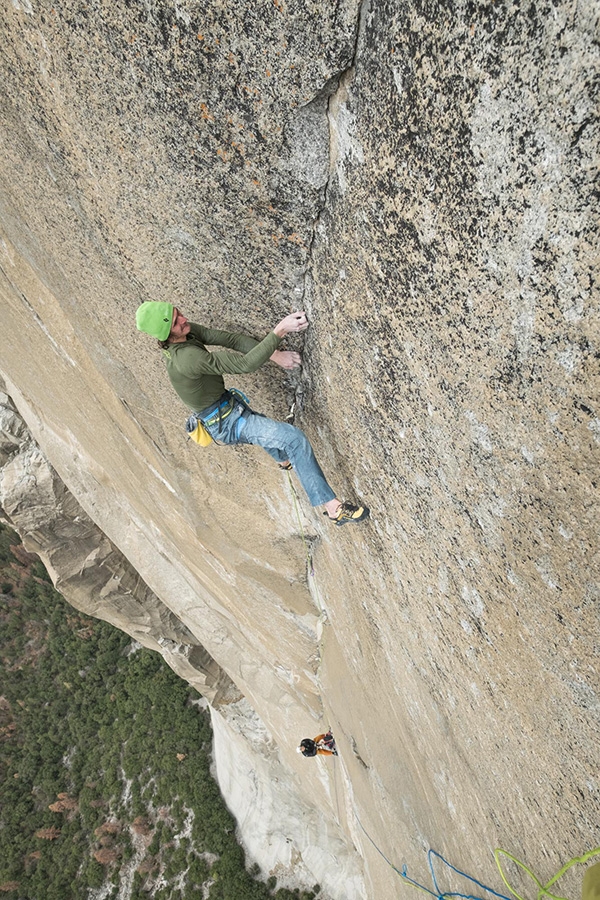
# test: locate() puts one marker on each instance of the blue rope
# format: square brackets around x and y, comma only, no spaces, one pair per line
[381,853]
[483,887]
[440,895]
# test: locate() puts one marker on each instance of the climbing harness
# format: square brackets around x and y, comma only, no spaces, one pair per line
[328,742]
[197,425]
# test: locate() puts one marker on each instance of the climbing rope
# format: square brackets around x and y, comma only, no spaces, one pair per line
[129,406]
[402,874]
[335,787]
[311,572]
[542,888]
[442,895]
[307,548]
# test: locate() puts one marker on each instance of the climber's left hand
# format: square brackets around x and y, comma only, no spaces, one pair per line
[287,359]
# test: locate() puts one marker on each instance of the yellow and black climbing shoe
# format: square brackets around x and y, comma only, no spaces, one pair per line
[350,513]
[286,466]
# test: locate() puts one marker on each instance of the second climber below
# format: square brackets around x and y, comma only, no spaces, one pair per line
[321,745]
[197,376]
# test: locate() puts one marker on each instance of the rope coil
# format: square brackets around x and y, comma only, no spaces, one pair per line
[542,888]
[442,895]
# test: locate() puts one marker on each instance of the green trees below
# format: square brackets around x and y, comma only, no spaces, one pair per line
[104,762]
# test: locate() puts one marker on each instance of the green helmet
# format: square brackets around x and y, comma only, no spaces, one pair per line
[155,318]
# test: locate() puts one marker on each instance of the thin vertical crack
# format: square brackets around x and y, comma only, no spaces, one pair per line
[336,91]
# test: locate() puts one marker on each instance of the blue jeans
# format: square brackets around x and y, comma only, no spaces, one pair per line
[282,441]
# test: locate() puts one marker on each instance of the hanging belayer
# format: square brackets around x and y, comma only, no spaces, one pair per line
[225,415]
[322,745]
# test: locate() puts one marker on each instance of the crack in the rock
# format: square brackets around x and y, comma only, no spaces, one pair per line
[331,90]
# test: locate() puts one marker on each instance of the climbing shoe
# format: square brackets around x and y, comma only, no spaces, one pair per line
[349,513]
[285,466]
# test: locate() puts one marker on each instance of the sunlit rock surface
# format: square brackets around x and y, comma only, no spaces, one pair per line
[421,180]
[86,567]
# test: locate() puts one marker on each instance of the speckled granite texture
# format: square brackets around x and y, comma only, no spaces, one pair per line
[422,178]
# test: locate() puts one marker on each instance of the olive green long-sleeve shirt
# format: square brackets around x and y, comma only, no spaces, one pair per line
[197,374]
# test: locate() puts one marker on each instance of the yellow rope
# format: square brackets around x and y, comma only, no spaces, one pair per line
[542,888]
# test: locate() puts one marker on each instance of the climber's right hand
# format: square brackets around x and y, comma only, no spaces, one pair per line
[293,323]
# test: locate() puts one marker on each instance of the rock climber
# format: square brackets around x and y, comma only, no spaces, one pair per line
[197,376]
[322,745]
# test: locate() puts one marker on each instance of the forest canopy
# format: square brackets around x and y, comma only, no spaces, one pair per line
[104,762]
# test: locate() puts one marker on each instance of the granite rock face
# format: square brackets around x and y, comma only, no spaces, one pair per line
[86,567]
[422,180]
[292,838]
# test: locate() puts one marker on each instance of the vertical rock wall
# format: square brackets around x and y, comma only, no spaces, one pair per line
[455,264]
[292,838]
[86,567]
[421,179]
